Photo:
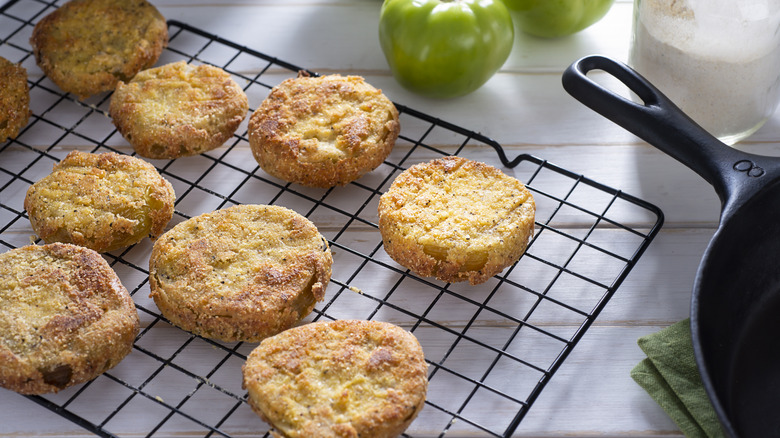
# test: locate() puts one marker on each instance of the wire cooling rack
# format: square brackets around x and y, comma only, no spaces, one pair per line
[174,383]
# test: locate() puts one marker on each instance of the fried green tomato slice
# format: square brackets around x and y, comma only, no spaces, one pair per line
[456,219]
[65,318]
[14,99]
[323,131]
[346,378]
[88,46]
[102,201]
[178,110]
[240,274]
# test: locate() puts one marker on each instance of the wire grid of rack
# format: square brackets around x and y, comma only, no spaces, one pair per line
[174,381]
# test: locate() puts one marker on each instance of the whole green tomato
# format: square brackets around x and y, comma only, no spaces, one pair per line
[556,18]
[445,48]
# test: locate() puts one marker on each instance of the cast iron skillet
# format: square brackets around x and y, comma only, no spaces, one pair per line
[735,304]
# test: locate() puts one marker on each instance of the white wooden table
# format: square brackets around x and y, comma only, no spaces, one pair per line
[526,110]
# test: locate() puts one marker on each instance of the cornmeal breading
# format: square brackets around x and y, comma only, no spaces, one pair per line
[323,131]
[65,318]
[101,201]
[178,110]
[456,219]
[240,274]
[88,46]
[347,378]
[14,99]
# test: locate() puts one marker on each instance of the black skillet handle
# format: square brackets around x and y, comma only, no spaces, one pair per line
[662,124]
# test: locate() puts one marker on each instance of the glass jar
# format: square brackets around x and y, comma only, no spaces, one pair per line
[718,60]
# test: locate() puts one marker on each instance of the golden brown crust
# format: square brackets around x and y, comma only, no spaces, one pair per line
[456,219]
[101,201]
[88,46]
[178,110]
[323,131]
[240,274]
[14,99]
[65,318]
[347,378]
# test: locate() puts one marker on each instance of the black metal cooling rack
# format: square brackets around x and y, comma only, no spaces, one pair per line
[176,383]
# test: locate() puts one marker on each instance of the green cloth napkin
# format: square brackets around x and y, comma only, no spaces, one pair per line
[669,374]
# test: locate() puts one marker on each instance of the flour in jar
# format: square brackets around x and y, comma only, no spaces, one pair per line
[718,60]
